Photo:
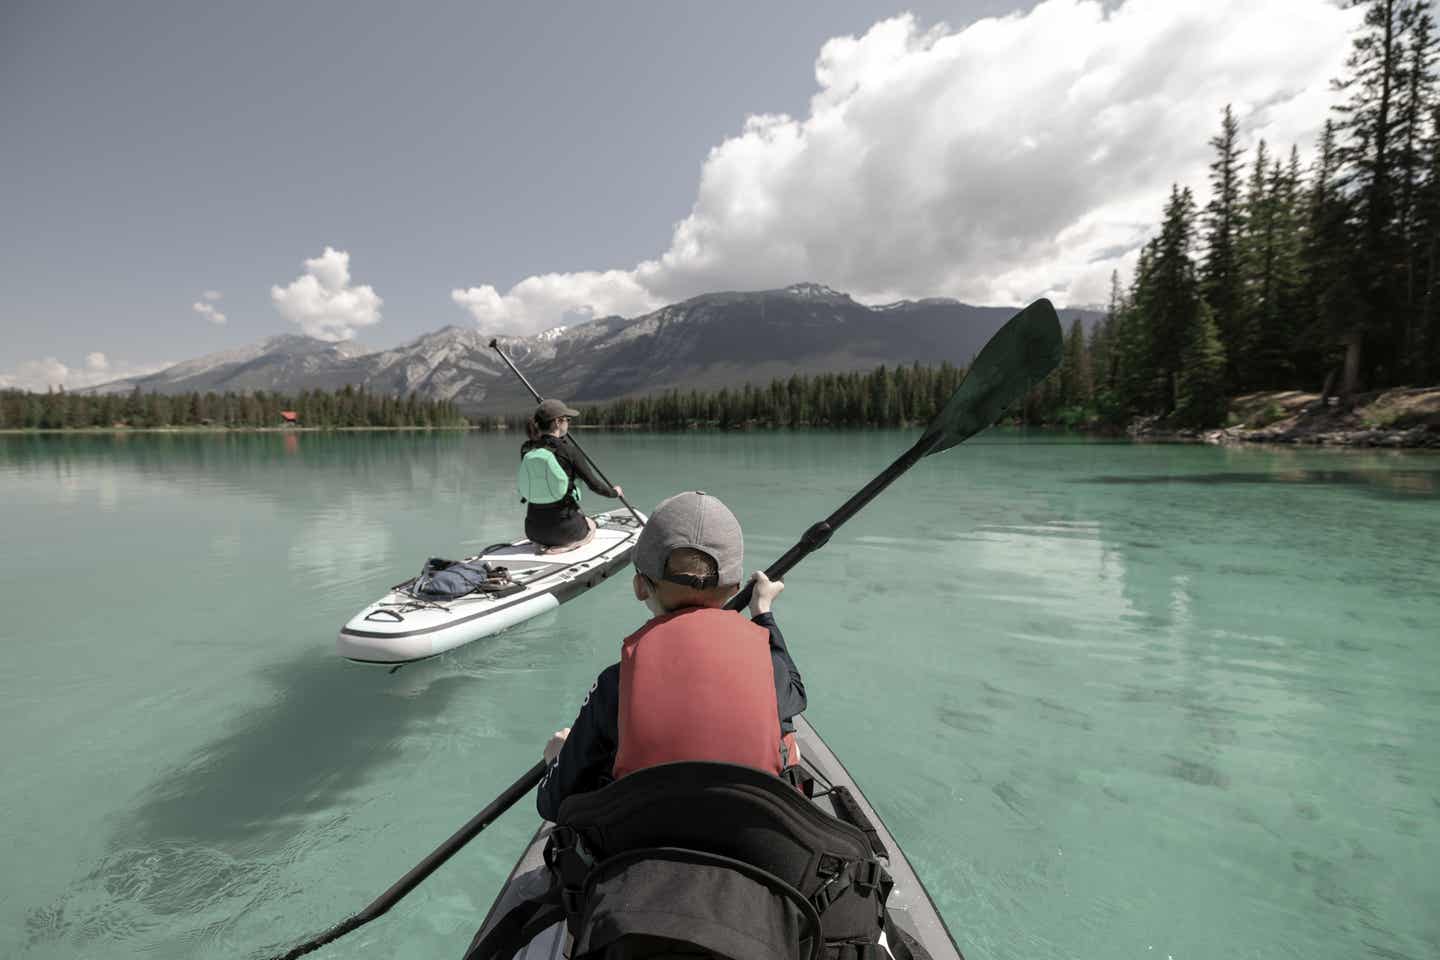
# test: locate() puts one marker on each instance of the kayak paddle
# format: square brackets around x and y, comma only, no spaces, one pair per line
[429,865]
[1020,355]
[495,345]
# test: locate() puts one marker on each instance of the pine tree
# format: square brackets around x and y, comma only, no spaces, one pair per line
[1201,394]
[1169,302]
[1274,335]
[1368,161]
[1427,242]
[1076,384]
[1103,350]
[1416,109]
[1257,262]
[1133,362]
[1327,296]
[1221,276]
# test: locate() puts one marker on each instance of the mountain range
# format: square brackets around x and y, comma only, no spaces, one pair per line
[711,341]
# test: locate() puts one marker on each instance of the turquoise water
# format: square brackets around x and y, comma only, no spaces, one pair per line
[1115,700]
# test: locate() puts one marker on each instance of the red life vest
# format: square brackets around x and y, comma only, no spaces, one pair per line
[698,684]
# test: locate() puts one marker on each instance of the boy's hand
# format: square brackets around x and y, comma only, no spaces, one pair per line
[764,594]
[552,749]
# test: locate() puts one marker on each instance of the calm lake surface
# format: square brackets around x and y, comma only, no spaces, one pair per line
[1115,700]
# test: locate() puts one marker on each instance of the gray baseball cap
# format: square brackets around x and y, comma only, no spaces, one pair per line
[553,410]
[696,520]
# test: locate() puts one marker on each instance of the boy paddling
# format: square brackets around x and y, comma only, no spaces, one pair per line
[696,682]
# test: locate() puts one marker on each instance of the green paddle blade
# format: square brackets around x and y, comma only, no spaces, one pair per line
[1020,355]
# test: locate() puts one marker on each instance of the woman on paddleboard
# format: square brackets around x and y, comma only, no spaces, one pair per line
[550,466]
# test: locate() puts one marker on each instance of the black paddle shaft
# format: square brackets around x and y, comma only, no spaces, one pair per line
[429,865]
[495,345]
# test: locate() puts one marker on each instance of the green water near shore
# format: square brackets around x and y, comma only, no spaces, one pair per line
[1114,699]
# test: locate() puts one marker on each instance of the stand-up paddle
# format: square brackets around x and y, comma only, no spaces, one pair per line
[495,345]
[1020,355]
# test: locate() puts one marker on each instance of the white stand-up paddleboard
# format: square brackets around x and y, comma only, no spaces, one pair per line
[406,624]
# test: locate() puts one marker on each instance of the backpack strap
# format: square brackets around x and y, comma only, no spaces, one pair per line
[571,865]
[868,878]
[512,932]
[847,809]
[531,905]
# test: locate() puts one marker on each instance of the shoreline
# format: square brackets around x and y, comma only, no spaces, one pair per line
[1402,418]
[120,431]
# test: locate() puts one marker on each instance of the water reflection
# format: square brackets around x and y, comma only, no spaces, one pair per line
[220,830]
[1403,483]
[346,542]
[1196,654]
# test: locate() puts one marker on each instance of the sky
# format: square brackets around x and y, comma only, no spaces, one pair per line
[181,178]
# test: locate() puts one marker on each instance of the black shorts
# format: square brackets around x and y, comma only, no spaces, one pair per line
[555,526]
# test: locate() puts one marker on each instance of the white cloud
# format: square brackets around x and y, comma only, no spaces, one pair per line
[50,373]
[208,310]
[540,302]
[212,295]
[1019,156]
[323,302]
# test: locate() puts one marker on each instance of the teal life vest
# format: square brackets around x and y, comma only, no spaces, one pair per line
[542,480]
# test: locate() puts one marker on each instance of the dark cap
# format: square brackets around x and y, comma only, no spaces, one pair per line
[553,410]
[698,521]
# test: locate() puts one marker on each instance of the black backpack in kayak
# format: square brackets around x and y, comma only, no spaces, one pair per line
[705,860]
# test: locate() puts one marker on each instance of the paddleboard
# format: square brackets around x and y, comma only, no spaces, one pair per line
[407,625]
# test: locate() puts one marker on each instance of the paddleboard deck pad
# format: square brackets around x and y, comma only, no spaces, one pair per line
[513,583]
[915,921]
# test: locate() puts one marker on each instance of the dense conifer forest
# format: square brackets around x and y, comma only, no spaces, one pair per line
[1325,279]
[348,407]
[885,397]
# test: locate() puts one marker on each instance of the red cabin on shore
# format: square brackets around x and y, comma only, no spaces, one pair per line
[290,418]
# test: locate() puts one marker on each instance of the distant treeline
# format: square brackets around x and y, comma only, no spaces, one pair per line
[885,397]
[348,407]
[1327,279]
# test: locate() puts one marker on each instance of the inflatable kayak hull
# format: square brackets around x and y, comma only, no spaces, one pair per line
[909,905]
[401,627]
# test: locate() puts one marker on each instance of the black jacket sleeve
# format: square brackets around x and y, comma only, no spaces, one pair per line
[789,687]
[581,468]
[588,758]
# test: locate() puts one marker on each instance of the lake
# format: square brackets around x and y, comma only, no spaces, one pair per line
[1115,700]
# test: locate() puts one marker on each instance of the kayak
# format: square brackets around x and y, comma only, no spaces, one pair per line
[909,905]
[509,583]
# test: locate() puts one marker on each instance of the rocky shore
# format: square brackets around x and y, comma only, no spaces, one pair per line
[1403,417]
